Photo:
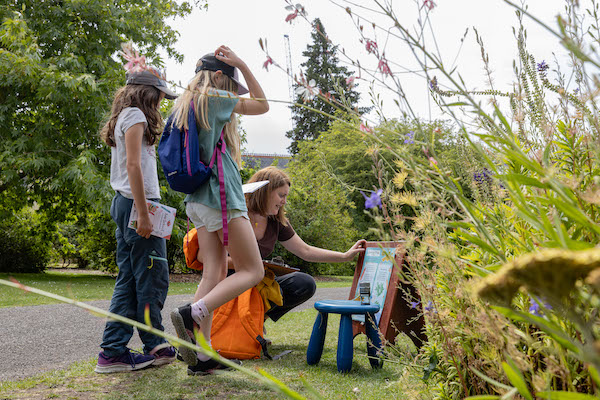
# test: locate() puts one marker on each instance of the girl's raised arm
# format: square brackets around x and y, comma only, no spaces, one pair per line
[257,103]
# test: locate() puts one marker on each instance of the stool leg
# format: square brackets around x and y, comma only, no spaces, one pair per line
[345,348]
[317,339]
[374,344]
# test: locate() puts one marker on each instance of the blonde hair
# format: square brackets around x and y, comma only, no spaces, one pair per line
[258,201]
[198,92]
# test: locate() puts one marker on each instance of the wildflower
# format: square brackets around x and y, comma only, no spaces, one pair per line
[136,63]
[307,90]
[410,138]
[542,68]
[267,63]
[437,130]
[414,304]
[350,81]
[432,160]
[433,84]
[384,67]
[371,46]
[429,4]
[430,306]
[400,179]
[374,200]
[535,307]
[365,128]
[406,197]
[291,16]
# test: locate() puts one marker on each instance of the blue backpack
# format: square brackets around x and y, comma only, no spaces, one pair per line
[179,154]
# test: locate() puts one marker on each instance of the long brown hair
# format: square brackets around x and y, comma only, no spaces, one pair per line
[198,91]
[144,97]
[258,201]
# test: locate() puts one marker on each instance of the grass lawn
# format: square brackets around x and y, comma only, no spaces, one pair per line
[292,332]
[93,286]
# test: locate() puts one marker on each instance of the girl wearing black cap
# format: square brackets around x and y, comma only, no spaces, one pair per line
[131,132]
[213,95]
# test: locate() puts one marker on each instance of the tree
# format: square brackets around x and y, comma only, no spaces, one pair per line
[322,66]
[58,71]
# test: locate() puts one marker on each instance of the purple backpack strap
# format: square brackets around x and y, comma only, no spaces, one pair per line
[219,150]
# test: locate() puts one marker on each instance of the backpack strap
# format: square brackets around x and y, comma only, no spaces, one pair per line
[219,151]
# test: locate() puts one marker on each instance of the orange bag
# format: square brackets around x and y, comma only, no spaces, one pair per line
[190,250]
[237,327]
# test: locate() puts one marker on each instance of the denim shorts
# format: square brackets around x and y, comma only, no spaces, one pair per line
[209,217]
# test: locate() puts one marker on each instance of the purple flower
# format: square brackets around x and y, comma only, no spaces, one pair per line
[542,68]
[535,307]
[433,84]
[374,200]
[410,138]
[414,304]
[429,306]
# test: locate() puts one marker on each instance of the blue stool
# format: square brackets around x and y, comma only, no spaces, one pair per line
[346,308]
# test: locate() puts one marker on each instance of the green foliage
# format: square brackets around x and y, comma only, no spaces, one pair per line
[322,66]
[59,69]
[22,246]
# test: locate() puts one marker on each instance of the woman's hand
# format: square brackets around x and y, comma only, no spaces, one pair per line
[226,55]
[357,248]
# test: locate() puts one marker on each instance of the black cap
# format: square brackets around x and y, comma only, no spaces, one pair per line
[209,62]
[151,77]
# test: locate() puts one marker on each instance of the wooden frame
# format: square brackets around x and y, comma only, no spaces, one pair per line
[397,315]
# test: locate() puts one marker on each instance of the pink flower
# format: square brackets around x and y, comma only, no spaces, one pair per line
[291,16]
[350,81]
[384,67]
[266,63]
[136,63]
[371,46]
[429,4]
[364,128]
[432,160]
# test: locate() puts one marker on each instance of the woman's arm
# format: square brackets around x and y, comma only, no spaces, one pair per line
[133,148]
[255,105]
[316,254]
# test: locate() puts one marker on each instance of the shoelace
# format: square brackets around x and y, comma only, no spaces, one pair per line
[131,358]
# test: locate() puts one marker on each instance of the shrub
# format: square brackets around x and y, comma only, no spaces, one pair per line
[23,245]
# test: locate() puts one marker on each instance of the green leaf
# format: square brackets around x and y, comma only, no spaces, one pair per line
[490,380]
[561,395]
[550,328]
[483,397]
[516,378]
[594,374]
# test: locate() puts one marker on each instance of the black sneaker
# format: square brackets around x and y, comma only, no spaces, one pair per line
[185,326]
[209,367]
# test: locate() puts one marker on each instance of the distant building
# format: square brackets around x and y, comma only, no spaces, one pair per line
[258,160]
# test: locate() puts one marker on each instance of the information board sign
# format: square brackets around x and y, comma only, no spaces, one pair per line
[380,265]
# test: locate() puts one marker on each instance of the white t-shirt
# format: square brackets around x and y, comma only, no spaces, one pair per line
[118,166]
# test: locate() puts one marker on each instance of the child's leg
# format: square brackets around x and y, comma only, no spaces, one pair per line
[249,269]
[214,271]
[117,334]
[151,272]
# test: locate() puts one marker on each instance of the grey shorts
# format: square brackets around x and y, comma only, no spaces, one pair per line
[209,217]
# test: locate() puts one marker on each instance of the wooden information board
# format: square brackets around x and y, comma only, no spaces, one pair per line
[380,265]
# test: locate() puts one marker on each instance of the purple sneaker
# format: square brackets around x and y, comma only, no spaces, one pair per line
[128,361]
[163,356]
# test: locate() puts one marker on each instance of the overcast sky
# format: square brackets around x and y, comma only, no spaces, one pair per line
[240,23]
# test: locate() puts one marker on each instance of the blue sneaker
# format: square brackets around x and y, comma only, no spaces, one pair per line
[164,355]
[128,361]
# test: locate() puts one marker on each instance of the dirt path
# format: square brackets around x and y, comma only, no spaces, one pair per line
[37,339]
